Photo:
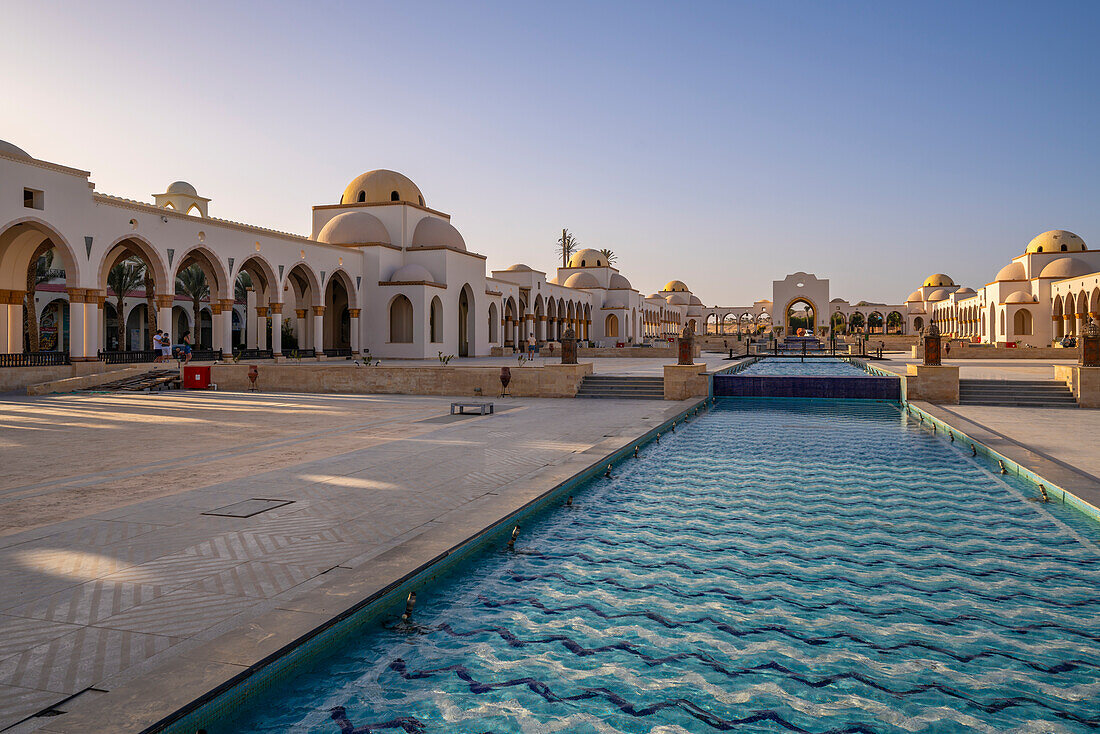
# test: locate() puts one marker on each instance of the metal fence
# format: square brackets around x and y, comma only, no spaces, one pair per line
[338,352]
[34,359]
[148,355]
[252,354]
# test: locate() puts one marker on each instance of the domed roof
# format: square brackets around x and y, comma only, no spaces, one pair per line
[1020,297]
[380,186]
[677,286]
[940,294]
[354,228]
[588,258]
[678,299]
[15,150]
[519,268]
[653,295]
[553,280]
[938,280]
[432,232]
[966,292]
[914,296]
[411,273]
[582,280]
[1056,240]
[696,301]
[182,188]
[615,300]
[1065,267]
[619,281]
[1012,271]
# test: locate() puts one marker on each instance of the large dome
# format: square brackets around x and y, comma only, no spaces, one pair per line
[519,268]
[411,273]
[382,186]
[588,258]
[618,282]
[676,286]
[1056,240]
[9,149]
[938,280]
[1012,271]
[696,301]
[432,232]
[354,228]
[582,280]
[1065,267]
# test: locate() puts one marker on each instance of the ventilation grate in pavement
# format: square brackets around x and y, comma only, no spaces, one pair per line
[248,508]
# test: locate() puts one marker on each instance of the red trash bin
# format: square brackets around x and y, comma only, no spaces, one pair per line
[196,378]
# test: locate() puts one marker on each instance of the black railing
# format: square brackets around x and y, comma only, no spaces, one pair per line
[134,357]
[252,354]
[34,359]
[206,355]
[338,352]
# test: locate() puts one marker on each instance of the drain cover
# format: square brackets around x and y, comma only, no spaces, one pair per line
[248,508]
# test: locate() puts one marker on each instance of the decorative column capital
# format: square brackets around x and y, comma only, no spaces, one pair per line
[164,300]
[77,295]
[354,312]
[301,312]
[318,310]
[276,308]
[215,307]
[261,311]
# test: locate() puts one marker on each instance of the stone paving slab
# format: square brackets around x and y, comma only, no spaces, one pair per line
[114,578]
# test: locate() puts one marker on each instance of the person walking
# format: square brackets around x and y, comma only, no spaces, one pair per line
[186,346]
[531,347]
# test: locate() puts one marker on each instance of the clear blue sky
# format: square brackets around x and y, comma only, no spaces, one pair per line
[725,145]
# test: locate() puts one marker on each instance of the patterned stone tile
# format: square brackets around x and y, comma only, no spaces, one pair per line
[178,569]
[90,602]
[182,613]
[256,579]
[80,659]
[20,633]
[18,703]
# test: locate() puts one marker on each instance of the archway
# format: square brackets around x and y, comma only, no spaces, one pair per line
[856,322]
[401,320]
[875,323]
[800,313]
[838,323]
[133,264]
[336,320]
[465,300]
[1022,323]
[611,326]
[494,324]
[32,253]
[435,321]
[895,321]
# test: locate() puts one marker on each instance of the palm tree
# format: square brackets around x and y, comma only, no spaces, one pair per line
[609,256]
[191,282]
[124,279]
[150,307]
[567,245]
[39,271]
[241,286]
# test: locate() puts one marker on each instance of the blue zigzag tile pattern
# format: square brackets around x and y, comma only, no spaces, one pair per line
[773,566]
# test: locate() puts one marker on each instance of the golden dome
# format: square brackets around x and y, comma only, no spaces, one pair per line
[938,280]
[588,258]
[676,286]
[382,186]
[1056,240]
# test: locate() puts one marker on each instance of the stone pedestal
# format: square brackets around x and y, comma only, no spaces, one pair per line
[936,384]
[1083,382]
[569,347]
[683,381]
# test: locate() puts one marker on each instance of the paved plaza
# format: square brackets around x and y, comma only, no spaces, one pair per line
[111,568]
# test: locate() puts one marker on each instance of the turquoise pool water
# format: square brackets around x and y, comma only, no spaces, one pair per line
[807,566]
[794,367]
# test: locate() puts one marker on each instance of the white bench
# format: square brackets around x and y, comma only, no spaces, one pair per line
[482,408]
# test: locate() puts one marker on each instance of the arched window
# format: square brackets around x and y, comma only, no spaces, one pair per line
[1021,323]
[394,196]
[611,325]
[1002,332]
[494,323]
[435,320]
[401,320]
[168,205]
[421,200]
[362,196]
[1039,248]
[194,211]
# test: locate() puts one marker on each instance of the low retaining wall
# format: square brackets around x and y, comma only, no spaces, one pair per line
[989,351]
[548,381]
[21,378]
[632,352]
[767,386]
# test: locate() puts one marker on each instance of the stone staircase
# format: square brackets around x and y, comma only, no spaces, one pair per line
[622,388]
[1016,393]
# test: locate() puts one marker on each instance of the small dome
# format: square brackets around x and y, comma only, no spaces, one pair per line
[354,228]
[619,282]
[582,280]
[1020,297]
[966,292]
[1056,240]
[382,187]
[519,268]
[554,281]
[182,188]
[9,149]
[938,295]
[1065,267]
[914,296]
[938,280]
[411,273]
[1012,271]
[615,300]
[696,301]
[588,258]
[676,286]
[653,295]
[432,232]
[678,299]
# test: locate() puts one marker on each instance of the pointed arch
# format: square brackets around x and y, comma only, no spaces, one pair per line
[401,316]
[136,245]
[19,239]
[207,260]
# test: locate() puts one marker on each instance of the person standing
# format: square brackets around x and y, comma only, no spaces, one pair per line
[158,346]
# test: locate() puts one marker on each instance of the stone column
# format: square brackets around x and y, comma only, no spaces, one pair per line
[79,345]
[251,330]
[1067,324]
[319,329]
[11,322]
[261,327]
[276,328]
[301,324]
[216,332]
[353,313]
[164,315]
